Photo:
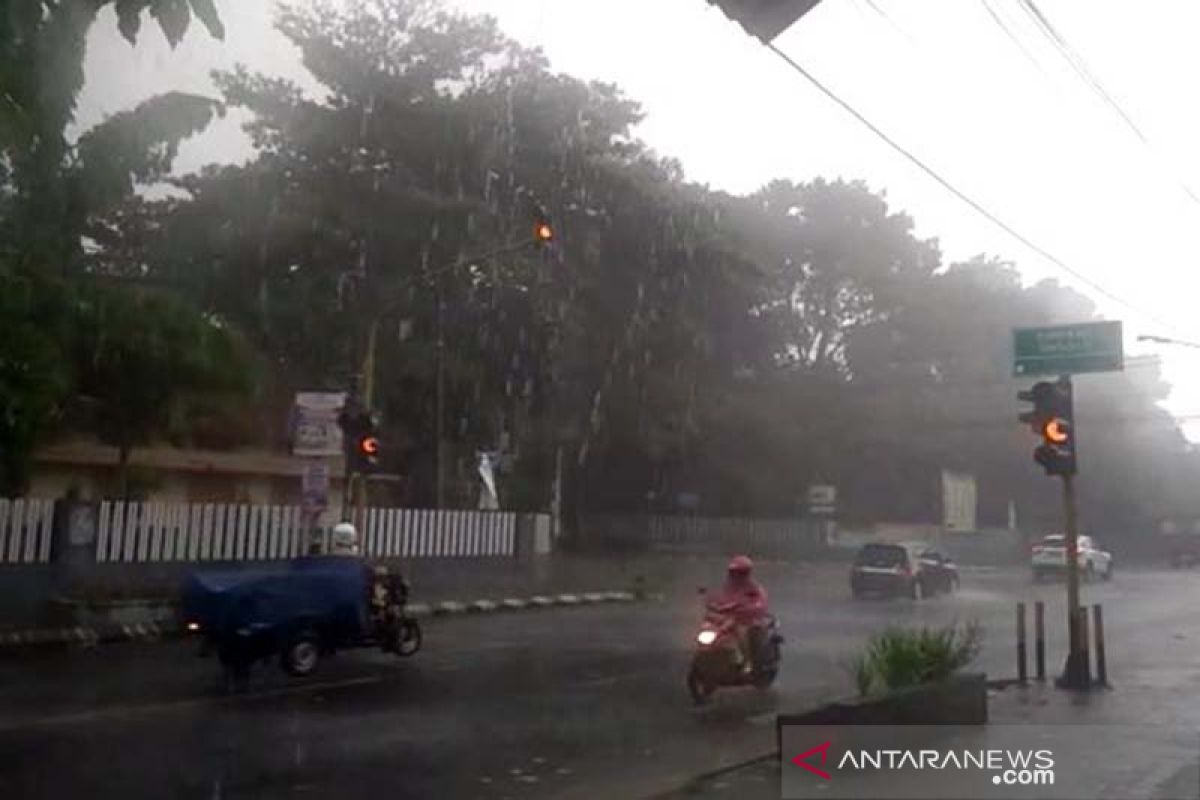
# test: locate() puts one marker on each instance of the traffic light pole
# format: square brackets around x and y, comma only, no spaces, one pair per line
[368,393]
[1075,672]
[355,483]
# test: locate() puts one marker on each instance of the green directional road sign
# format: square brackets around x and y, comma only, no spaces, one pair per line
[1068,349]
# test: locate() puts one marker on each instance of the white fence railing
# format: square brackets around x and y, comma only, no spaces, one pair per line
[149,532]
[25,530]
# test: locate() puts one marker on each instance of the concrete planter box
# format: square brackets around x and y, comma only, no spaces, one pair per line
[959,700]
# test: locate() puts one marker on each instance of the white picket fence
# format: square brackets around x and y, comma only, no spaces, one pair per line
[130,532]
[25,530]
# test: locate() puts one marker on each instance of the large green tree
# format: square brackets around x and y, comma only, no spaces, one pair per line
[42,47]
[143,357]
[672,339]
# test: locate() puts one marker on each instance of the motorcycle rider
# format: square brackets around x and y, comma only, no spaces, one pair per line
[344,541]
[389,593]
[745,600]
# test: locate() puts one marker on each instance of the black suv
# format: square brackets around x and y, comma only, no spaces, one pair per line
[910,569]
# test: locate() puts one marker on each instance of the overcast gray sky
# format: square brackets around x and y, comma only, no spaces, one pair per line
[1008,122]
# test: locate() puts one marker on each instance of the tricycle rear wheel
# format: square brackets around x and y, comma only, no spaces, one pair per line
[408,638]
[301,654]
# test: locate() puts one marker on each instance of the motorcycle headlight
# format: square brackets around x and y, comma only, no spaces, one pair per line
[707,637]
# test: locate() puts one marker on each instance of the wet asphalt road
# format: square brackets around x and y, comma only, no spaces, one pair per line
[574,703]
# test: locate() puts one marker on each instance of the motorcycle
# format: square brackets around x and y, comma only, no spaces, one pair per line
[716,664]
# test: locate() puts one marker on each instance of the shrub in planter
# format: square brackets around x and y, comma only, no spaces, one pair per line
[897,658]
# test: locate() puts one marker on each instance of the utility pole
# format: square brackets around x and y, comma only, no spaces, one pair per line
[543,234]
[440,415]
[368,389]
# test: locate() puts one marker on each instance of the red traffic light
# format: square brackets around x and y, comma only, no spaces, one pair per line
[1057,431]
[543,232]
[369,446]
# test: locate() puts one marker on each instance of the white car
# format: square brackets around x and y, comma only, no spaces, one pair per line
[1050,557]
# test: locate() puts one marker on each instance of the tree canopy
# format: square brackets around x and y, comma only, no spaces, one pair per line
[673,339]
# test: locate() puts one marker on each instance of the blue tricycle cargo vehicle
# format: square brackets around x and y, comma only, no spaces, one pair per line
[299,612]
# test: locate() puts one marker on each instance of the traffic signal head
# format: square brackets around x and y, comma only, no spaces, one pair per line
[765,19]
[543,228]
[1052,419]
[368,446]
[362,445]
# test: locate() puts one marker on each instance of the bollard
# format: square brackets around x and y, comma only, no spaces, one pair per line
[1101,660]
[1085,647]
[1022,653]
[1039,639]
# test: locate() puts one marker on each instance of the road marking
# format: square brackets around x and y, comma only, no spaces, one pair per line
[119,712]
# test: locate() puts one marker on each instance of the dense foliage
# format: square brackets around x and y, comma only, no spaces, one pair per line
[672,340]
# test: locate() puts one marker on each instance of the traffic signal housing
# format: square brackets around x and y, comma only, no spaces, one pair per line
[1053,419]
[360,435]
[765,19]
[543,228]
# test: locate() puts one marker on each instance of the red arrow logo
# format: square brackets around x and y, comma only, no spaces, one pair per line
[823,749]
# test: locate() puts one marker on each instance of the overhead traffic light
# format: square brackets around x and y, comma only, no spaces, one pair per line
[543,228]
[1053,419]
[765,19]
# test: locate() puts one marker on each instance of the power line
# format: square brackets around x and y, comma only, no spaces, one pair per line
[879,12]
[995,15]
[1085,74]
[963,196]
[1080,67]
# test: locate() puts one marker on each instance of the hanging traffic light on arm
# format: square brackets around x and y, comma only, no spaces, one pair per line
[543,229]
[1053,419]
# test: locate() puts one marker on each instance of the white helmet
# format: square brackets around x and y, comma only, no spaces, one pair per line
[345,539]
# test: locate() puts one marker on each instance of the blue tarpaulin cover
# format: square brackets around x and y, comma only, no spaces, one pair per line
[328,590]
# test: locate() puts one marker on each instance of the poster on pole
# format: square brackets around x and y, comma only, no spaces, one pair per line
[315,487]
[314,430]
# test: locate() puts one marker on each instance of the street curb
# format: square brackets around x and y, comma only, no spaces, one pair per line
[26,639]
[681,785]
